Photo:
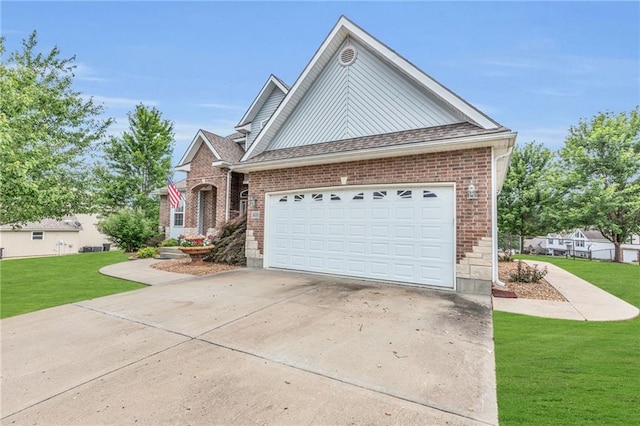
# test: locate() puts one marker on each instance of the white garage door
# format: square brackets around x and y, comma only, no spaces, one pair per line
[386,233]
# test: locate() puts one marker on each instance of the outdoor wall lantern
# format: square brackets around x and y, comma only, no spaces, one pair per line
[254,201]
[472,192]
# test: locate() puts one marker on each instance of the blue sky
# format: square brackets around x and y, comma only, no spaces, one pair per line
[535,67]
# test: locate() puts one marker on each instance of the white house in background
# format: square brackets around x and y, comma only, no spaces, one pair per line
[51,237]
[589,244]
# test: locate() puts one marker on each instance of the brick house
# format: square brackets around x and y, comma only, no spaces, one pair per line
[365,167]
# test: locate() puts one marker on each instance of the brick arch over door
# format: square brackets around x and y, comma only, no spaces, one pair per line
[202,206]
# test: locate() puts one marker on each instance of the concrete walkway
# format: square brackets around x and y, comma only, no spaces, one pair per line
[140,271]
[585,302]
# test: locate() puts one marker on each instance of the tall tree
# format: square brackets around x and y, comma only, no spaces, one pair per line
[137,162]
[47,130]
[526,192]
[601,183]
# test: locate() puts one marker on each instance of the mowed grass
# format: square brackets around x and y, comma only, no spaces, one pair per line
[561,372]
[28,285]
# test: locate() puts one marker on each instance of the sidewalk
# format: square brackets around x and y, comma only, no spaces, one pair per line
[140,271]
[585,302]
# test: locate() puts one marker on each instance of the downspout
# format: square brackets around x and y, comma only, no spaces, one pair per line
[226,212]
[494,215]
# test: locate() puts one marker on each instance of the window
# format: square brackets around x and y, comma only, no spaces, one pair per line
[428,194]
[283,199]
[579,243]
[359,196]
[298,197]
[178,216]
[37,235]
[316,197]
[404,194]
[379,195]
[334,197]
[550,241]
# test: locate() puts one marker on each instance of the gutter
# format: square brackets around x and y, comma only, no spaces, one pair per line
[481,141]
[494,214]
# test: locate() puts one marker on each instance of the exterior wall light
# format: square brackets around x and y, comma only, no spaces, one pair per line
[472,192]
[254,201]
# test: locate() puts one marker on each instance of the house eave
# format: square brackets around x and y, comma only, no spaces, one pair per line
[183,168]
[504,140]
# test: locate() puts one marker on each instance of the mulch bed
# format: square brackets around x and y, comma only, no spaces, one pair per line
[183,266]
[541,291]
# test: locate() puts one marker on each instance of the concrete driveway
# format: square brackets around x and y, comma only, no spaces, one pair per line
[254,347]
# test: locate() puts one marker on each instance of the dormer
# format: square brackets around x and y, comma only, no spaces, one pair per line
[262,108]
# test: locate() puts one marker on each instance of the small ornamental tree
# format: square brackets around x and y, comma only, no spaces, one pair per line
[128,229]
[137,162]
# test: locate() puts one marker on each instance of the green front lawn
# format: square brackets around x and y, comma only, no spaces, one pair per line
[570,372]
[27,285]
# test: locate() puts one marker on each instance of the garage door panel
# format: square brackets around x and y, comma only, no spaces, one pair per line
[357,213]
[382,233]
[405,250]
[380,213]
[335,229]
[357,247]
[379,231]
[316,245]
[404,231]
[316,229]
[335,264]
[357,230]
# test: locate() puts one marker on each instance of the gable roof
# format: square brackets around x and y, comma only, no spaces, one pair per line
[428,135]
[224,149]
[272,83]
[67,223]
[346,29]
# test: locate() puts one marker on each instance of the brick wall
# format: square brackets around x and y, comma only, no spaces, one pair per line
[463,167]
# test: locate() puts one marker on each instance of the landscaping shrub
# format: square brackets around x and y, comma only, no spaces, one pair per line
[171,242]
[229,243]
[527,274]
[155,240]
[147,252]
[128,229]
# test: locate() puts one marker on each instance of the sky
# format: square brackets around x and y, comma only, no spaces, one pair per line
[535,67]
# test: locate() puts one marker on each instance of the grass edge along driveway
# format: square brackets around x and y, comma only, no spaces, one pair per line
[559,372]
[28,285]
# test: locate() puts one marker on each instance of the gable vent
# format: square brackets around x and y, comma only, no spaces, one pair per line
[348,56]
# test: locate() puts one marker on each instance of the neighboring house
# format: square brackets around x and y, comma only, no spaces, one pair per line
[365,167]
[51,237]
[588,244]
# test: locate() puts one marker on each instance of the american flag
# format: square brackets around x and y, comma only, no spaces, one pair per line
[174,195]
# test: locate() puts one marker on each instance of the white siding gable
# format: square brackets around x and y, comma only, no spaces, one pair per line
[265,112]
[368,97]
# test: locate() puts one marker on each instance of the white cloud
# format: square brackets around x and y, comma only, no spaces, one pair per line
[86,73]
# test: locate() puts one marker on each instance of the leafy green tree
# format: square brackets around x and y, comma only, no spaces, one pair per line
[128,229]
[525,198]
[601,180]
[137,162]
[47,130]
